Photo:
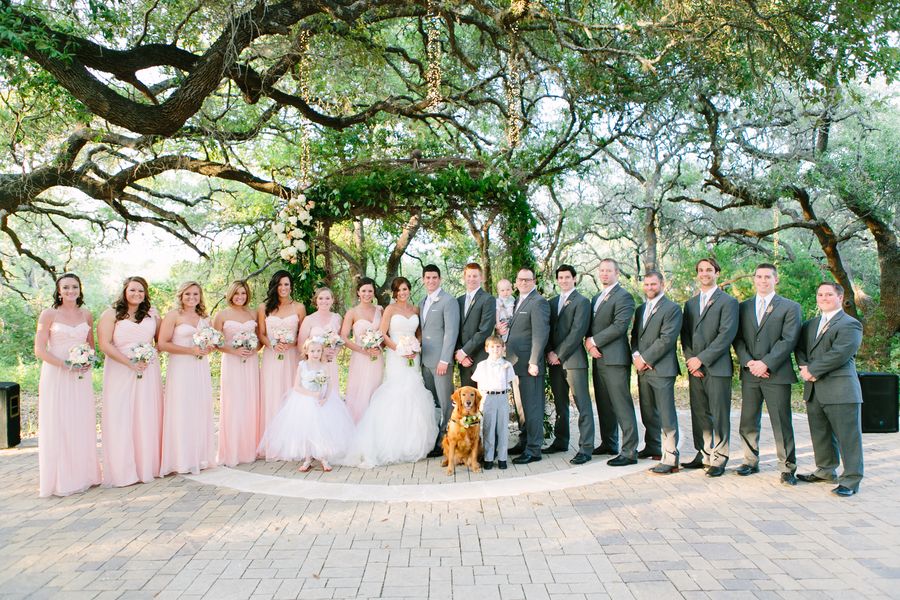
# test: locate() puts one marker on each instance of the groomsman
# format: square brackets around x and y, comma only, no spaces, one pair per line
[440,329]
[767,335]
[826,354]
[477,310]
[570,316]
[654,337]
[607,343]
[529,330]
[709,327]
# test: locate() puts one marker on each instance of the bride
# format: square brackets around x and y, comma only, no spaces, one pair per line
[400,424]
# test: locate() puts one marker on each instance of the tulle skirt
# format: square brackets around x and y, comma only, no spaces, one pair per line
[304,429]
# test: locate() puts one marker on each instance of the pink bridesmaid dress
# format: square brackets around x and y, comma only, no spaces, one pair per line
[132,410]
[187,442]
[238,401]
[67,426]
[331,368]
[365,374]
[276,377]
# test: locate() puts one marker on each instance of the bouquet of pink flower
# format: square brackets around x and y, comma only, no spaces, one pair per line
[408,344]
[81,356]
[207,338]
[244,340]
[141,353]
[331,339]
[371,339]
[283,336]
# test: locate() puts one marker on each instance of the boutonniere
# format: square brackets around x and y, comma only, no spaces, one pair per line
[769,310]
[566,303]
[655,308]
[605,298]
[824,329]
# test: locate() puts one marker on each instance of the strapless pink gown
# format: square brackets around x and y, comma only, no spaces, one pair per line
[276,377]
[365,374]
[132,411]
[331,368]
[238,401]
[67,420]
[187,442]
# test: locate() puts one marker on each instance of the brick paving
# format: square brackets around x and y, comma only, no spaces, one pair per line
[625,535]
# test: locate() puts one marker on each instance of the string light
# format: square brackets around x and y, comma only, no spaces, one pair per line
[514,119]
[433,51]
[303,67]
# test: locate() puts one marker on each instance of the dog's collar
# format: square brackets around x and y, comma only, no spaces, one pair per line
[469,420]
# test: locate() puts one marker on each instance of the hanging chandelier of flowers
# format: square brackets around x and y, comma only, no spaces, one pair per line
[293,227]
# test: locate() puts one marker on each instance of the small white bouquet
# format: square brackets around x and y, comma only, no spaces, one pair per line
[319,380]
[141,353]
[408,344]
[207,338]
[331,339]
[81,356]
[371,339]
[285,336]
[244,340]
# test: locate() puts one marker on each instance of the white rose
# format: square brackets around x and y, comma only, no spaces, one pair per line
[307,219]
[297,234]
[300,245]
[300,198]
[277,227]
[287,253]
[293,219]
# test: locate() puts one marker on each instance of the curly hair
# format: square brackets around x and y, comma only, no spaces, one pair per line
[57,297]
[201,306]
[121,304]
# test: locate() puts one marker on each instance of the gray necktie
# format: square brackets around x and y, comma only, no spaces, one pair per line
[823,322]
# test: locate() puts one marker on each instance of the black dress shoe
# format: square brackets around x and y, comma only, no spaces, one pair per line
[488,465]
[517,449]
[843,492]
[435,453]
[501,464]
[525,458]
[601,450]
[580,458]
[715,471]
[813,478]
[697,463]
[621,461]
[745,470]
[554,448]
[649,454]
[788,479]
[662,469]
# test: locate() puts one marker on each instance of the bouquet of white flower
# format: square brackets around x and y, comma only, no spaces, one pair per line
[141,353]
[207,337]
[282,336]
[244,340]
[408,344]
[81,356]
[331,339]
[320,380]
[372,338]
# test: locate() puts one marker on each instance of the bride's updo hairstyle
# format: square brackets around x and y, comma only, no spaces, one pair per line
[396,283]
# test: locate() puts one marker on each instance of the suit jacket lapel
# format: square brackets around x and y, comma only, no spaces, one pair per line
[709,304]
[518,307]
[828,327]
[775,300]
[656,309]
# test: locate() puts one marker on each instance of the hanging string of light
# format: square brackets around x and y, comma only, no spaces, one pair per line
[433,51]
[303,67]
[514,119]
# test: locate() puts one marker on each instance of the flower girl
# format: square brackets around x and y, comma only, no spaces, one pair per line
[313,423]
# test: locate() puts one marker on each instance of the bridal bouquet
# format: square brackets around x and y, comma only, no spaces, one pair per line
[283,336]
[207,337]
[244,340]
[408,344]
[141,353]
[371,339]
[81,356]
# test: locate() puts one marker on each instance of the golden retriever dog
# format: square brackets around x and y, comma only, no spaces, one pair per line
[462,443]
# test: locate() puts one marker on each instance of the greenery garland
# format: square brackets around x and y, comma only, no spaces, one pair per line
[390,192]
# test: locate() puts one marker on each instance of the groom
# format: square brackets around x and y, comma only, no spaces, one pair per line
[440,328]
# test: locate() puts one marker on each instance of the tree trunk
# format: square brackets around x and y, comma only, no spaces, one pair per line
[651,242]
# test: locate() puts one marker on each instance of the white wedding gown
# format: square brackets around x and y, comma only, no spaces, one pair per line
[400,424]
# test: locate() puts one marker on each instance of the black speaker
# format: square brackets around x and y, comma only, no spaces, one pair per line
[880,410]
[10,421]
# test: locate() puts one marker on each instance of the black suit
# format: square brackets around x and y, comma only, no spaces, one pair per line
[567,330]
[475,326]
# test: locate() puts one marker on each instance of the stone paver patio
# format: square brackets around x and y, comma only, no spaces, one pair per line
[543,531]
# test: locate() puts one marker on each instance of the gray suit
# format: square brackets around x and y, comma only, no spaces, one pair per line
[612,372]
[567,330]
[475,327]
[529,330]
[439,332]
[833,401]
[772,341]
[656,341]
[708,336]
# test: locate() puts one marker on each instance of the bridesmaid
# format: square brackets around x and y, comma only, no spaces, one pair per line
[366,365]
[276,378]
[67,417]
[239,383]
[132,391]
[187,441]
[316,324]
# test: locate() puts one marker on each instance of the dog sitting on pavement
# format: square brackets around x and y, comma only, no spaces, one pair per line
[462,443]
